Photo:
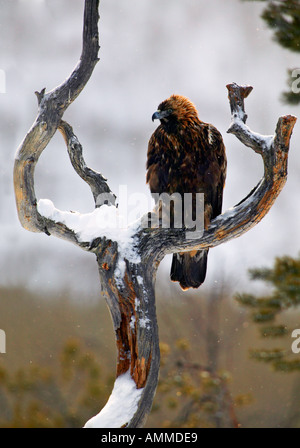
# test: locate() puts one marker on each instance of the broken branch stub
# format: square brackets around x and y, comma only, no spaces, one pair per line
[128,258]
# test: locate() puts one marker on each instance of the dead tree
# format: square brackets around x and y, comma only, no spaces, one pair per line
[128,260]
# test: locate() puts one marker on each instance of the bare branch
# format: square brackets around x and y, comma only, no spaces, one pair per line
[52,105]
[236,95]
[63,95]
[97,183]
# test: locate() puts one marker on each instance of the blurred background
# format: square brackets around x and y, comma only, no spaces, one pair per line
[150,49]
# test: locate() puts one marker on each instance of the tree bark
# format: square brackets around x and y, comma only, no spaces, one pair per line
[52,106]
[128,275]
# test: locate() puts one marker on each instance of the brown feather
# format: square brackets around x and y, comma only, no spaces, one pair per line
[187,155]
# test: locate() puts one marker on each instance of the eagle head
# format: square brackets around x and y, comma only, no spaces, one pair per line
[176,110]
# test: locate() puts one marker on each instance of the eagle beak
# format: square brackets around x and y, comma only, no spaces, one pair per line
[156,115]
[160,114]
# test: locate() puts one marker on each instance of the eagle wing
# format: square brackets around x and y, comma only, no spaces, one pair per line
[192,160]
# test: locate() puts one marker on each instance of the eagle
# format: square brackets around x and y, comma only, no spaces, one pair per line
[187,155]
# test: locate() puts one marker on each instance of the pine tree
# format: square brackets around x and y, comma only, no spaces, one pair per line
[284,278]
[283,17]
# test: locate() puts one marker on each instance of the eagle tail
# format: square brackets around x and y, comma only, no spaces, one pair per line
[189,268]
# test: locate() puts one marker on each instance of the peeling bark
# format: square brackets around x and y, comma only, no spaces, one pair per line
[130,295]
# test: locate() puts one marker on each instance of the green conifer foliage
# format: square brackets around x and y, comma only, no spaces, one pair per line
[283,17]
[266,311]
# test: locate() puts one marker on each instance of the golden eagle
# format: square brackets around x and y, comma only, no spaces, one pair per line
[186,155]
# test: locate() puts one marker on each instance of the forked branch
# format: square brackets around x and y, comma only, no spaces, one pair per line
[52,106]
[128,258]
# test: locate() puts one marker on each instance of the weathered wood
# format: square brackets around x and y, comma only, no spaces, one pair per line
[127,275]
[131,300]
[95,180]
[52,106]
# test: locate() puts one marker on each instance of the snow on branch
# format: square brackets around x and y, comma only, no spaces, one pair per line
[121,405]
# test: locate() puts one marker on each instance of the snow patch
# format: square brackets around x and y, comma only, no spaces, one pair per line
[104,221]
[145,323]
[266,141]
[140,280]
[132,322]
[121,405]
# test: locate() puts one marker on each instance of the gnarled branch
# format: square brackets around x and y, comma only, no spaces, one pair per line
[52,106]
[95,180]
[128,258]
